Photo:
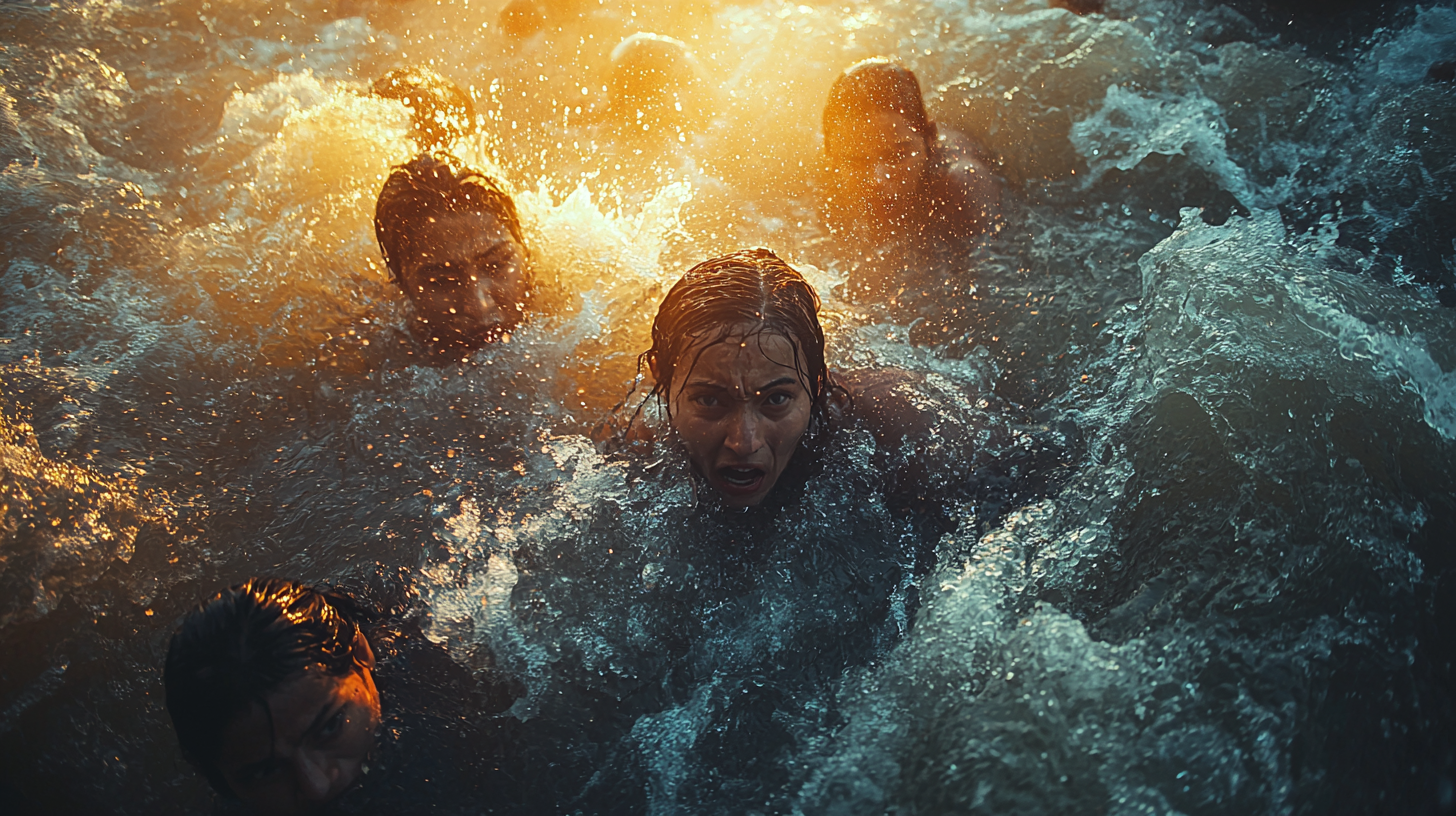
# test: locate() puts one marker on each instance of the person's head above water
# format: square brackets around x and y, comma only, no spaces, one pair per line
[270,687]
[656,87]
[738,359]
[878,139]
[440,110]
[452,240]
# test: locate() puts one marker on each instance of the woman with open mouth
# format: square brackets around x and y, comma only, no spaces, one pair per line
[740,372]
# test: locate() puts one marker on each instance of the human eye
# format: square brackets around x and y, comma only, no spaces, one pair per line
[438,278]
[779,400]
[333,725]
[705,400]
[495,262]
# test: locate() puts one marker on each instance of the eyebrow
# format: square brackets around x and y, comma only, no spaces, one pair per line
[324,714]
[495,249]
[780,381]
[486,255]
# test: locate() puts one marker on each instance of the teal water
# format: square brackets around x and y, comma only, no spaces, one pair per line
[1226,261]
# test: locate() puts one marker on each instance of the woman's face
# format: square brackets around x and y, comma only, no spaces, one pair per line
[740,410]
[466,276]
[879,164]
[304,744]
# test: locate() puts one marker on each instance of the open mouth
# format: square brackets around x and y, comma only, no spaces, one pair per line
[741,480]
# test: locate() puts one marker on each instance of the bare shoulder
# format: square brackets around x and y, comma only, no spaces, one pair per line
[884,399]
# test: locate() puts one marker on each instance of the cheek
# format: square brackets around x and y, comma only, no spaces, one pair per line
[510,288]
[700,437]
[787,433]
[696,434]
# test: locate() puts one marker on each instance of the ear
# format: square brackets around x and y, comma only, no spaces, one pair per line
[652,366]
[363,653]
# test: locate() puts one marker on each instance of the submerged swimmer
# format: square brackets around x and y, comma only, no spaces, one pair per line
[656,89]
[270,686]
[738,361]
[892,173]
[453,242]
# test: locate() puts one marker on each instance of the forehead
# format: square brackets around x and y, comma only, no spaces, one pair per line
[742,354]
[460,234]
[870,130]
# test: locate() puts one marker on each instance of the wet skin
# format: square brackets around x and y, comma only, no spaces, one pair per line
[882,170]
[322,729]
[467,277]
[879,166]
[740,411]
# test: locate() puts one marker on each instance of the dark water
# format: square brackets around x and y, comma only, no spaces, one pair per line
[1229,244]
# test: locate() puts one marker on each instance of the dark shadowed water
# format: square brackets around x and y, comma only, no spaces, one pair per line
[1230,237]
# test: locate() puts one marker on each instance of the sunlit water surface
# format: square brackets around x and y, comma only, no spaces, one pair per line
[1224,262]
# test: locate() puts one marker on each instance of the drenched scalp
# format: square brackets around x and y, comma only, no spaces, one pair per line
[234,649]
[740,296]
[430,186]
[876,85]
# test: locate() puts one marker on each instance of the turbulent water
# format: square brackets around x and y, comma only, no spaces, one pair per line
[1225,261]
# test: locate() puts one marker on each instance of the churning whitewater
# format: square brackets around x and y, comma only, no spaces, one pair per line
[1228,260]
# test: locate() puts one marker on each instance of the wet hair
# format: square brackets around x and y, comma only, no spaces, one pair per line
[430,186]
[441,111]
[235,648]
[876,85]
[718,296]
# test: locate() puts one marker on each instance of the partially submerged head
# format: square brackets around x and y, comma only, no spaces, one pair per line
[440,110]
[878,139]
[270,687]
[522,19]
[452,240]
[656,86]
[738,358]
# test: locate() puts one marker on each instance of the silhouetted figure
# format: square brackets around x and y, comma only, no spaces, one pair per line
[441,111]
[522,19]
[891,172]
[656,89]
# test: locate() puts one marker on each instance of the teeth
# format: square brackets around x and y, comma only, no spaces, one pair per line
[740,476]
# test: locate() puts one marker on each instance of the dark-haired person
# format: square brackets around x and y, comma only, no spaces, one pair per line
[452,240]
[891,172]
[819,500]
[739,368]
[271,688]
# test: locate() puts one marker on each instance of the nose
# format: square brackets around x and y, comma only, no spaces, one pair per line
[316,774]
[483,304]
[472,308]
[745,433]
